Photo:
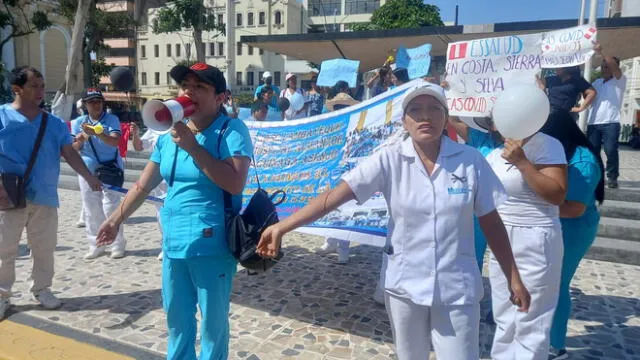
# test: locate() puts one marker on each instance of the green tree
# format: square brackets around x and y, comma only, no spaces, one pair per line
[187,14]
[100,25]
[402,14]
[14,16]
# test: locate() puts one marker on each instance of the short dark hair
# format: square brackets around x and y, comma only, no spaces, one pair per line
[257,106]
[20,75]
[617,59]
[265,90]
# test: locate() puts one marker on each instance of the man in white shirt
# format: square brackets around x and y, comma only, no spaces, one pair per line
[604,119]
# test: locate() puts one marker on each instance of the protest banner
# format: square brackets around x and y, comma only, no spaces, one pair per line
[416,60]
[308,156]
[332,71]
[479,70]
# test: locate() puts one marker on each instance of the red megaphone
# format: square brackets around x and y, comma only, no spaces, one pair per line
[161,115]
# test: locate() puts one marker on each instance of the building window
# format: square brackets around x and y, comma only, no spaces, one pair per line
[250,50]
[239,19]
[156,50]
[168,50]
[187,50]
[220,49]
[212,49]
[276,78]
[324,7]
[238,48]
[169,78]
[261,51]
[262,18]
[278,17]
[250,19]
[143,51]
[157,78]
[361,6]
[250,78]
[260,79]
[143,78]
[221,19]
[177,50]
[239,78]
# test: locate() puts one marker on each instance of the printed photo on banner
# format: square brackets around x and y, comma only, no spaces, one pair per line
[332,71]
[416,60]
[477,71]
[306,157]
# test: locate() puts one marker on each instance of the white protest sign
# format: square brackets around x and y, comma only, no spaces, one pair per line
[479,70]
[568,47]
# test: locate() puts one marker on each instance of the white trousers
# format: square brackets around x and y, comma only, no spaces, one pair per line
[98,205]
[538,254]
[453,330]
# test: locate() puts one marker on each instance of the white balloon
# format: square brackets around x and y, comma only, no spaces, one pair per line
[296,102]
[520,111]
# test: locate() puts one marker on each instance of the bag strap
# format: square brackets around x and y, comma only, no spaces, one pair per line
[36,147]
[228,205]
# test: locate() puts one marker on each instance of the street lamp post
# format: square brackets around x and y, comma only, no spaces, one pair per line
[231,38]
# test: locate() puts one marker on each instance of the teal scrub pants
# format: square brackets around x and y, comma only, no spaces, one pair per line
[577,237]
[204,282]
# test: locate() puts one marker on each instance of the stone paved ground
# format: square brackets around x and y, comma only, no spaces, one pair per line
[308,308]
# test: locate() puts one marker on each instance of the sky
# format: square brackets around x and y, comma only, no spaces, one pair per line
[496,11]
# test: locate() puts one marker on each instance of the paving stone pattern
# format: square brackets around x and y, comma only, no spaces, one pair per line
[309,307]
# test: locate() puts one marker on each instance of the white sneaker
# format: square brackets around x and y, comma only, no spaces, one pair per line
[343,257]
[160,256]
[117,254]
[47,299]
[93,253]
[4,306]
[80,224]
[327,248]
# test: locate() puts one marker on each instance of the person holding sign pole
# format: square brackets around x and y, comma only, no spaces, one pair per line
[604,119]
[433,187]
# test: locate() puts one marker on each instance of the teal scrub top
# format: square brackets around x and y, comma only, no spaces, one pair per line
[584,174]
[192,218]
[17,139]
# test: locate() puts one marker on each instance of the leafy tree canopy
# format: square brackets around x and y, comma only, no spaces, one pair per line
[402,14]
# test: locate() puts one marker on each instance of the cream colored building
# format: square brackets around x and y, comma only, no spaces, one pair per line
[158,53]
[47,51]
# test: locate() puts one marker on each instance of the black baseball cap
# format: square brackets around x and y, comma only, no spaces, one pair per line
[92,94]
[207,73]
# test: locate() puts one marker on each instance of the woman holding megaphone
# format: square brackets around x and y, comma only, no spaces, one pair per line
[197,268]
[533,169]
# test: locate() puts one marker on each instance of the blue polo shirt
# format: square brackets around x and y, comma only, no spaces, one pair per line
[193,213]
[106,153]
[17,139]
[583,177]
[481,141]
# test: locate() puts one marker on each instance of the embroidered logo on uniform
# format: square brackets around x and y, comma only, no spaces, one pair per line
[464,189]
[207,233]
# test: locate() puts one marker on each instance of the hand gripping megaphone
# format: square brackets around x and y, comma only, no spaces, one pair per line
[161,115]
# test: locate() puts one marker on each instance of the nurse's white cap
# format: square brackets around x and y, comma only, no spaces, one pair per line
[424,88]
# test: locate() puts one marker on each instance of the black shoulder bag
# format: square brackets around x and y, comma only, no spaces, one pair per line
[13,190]
[244,230]
[108,172]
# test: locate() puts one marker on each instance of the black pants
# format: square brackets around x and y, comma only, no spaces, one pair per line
[607,135]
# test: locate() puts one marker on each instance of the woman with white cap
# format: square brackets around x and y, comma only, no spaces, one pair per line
[433,187]
[297,108]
